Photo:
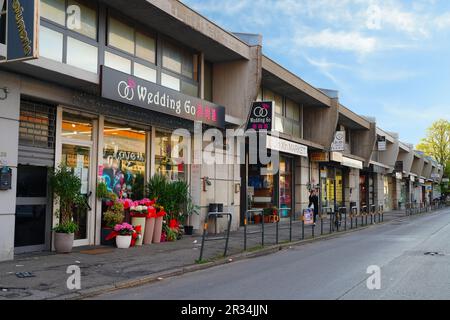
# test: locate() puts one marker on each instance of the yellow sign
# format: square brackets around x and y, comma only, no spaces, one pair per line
[320,157]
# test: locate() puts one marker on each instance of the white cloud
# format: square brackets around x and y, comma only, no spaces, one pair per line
[341,40]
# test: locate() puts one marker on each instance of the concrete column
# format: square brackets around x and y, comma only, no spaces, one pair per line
[302,179]
[9,131]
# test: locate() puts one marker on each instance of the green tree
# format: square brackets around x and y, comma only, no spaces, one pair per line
[437,143]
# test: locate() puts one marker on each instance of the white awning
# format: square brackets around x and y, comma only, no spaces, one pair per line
[286,146]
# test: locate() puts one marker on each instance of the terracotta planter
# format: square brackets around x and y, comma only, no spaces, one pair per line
[257,219]
[149,230]
[139,221]
[123,242]
[158,230]
[63,242]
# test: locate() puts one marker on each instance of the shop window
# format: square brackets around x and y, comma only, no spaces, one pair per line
[117,62]
[88,19]
[54,10]
[170,157]
[189,88]
[144,72]
[261,188]
[286,180]
[3,23]
[170,82]
[120,35]
[124,159]
[37,125]
[51,44]
[82,55]
[77,16]
[76,127]
[145,47]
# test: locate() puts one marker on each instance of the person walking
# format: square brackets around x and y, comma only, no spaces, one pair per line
[314,201]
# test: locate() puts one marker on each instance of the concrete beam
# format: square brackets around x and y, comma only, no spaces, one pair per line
[236,84]
[407,159]
[363,142]
[418,164]
[319,124]
[353,117]
[291,79]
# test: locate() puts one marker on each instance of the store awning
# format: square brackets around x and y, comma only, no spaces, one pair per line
[352,163]
[286,146]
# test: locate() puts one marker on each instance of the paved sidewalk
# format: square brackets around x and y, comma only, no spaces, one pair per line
[108,267]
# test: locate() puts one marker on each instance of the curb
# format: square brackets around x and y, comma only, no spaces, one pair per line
[159,276]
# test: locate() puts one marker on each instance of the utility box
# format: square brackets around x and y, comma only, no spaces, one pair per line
[5,178]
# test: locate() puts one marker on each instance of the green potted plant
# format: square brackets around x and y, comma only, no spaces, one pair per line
[113,216]
[190,210]
[66,187]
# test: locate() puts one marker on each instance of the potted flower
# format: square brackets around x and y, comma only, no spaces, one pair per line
[113,216]
[139,213]
[66,187]
[191,209]
[124,234]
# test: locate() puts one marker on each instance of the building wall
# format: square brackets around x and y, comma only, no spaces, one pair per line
[351,184]
[9,131]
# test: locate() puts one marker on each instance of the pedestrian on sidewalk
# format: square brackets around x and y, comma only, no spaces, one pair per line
[314,203]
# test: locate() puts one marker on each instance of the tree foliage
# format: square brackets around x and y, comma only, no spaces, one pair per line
[437,143]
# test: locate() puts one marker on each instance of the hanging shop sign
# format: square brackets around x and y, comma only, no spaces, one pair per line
[22,23]
[122,87]
[319,156]
[399,175]
[399,166]
[261,116]
[352,163]
[412,178]
[339,141]
[282,145]
[422,181]
[382,143]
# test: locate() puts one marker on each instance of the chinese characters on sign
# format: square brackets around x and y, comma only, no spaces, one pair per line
[122,87]
[260,116]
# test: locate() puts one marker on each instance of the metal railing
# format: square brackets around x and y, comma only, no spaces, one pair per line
[205,231]
[248,215]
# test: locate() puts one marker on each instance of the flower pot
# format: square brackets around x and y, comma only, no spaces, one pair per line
[257,219]
[149,230]
[63,242]
[123,242]
[105,232]
[139,221]
[158,230]
[188,230]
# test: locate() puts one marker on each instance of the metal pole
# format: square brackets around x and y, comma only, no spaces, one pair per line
[290,227]
[228,236]
[262,227]
[205,227]
[303,228]
[321,225]
[278,220]
[245,231]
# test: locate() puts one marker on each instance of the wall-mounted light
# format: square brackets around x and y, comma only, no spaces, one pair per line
[206,182]
[4,93]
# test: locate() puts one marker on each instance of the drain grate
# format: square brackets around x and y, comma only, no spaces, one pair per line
[433,253]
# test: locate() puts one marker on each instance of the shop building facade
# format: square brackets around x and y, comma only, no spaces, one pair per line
[75,106]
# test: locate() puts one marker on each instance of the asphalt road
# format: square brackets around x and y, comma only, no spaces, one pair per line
[330,269]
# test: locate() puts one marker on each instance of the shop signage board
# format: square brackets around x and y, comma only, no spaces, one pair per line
[319,156]
[352,163]
[281,145]
[399,175]
[22,23]
[308,217]
[421,180]
[339,141]
[261,116]
[382,143]
[128,89]
[412,178]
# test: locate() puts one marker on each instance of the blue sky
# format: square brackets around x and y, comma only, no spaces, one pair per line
[387,58]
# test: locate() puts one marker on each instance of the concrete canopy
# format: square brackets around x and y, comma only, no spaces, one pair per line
[186,26]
